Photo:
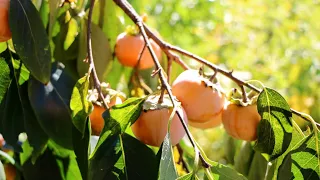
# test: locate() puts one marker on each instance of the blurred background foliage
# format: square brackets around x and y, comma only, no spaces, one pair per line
[276,42]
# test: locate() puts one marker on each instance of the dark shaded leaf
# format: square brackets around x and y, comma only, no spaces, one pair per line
[12,118]
[45,167]
[140,161]
[81,142]
[51,105]
[31,43]
[275,127]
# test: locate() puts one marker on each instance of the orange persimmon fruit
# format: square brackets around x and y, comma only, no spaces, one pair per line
[202,100]
[96,119]
[241,122]
[10,171]
[152,125]
[5,33]
[128,48]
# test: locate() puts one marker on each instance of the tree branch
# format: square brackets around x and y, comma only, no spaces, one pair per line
[92,69]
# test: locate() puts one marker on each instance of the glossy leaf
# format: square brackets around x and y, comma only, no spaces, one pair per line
[51,105]
[80,106]
[189,176]
[167,168]
[275,127]
[100,49]
[31,43]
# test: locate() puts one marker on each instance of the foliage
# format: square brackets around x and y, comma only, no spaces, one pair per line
[45,80]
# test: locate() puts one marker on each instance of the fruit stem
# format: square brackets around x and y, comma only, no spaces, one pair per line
[128,9]
[92,69]
[244,94]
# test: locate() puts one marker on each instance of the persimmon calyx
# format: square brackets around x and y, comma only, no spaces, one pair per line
[235,97]
[152,102]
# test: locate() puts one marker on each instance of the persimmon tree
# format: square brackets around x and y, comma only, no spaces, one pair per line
[82,98]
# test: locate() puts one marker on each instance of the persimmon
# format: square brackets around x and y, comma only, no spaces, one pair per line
[128,48]
[5,33]
[241,122]
[152,125]
[96,119]
[10,171]
[202,100]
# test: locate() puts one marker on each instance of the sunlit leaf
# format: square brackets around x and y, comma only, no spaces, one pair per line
[302,161]
[4,77]
[31,43]
[79,104]
[167,168]
[275,127]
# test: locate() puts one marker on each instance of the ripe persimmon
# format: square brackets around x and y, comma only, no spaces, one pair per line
[5,33]
[128,48]
[96,119]
[241,122]
[10,171]
[202,100]
[152,125]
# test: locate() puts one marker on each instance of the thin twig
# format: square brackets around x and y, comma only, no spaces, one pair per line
[92,69]
[127,8]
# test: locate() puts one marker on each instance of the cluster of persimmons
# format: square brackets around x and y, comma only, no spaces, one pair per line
[203,103]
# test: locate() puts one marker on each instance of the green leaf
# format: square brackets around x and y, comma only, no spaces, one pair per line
[51,105]
[101,51]
[45,167]
[30,39]
[117,158]
[167,168]
[302,161]
[244,158]
[81,142]
[12,117]
[53,7]
[80,106]
[4,77]
[36,136]
[189,176]
[220,171]
[22,70]
[275,127]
